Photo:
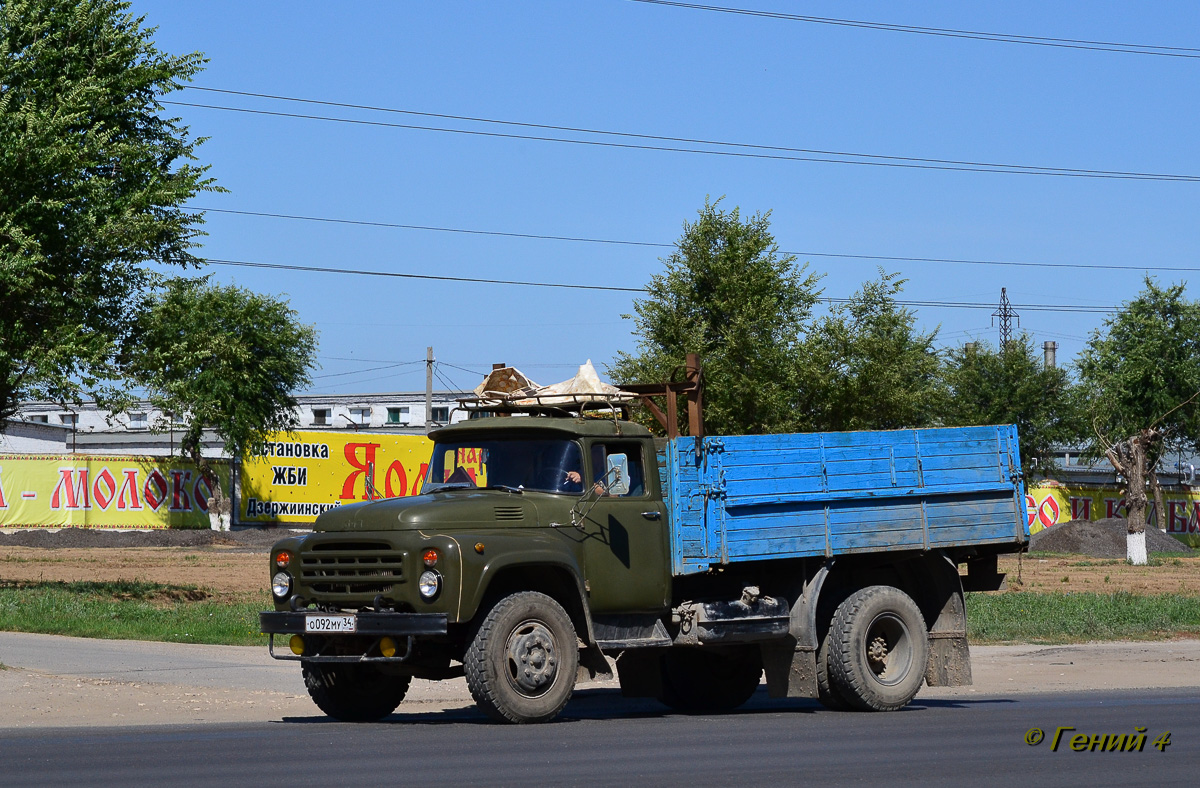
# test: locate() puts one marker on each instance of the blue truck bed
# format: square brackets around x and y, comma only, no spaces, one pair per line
[753,497]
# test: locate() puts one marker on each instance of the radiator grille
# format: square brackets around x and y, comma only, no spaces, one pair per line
[352,568]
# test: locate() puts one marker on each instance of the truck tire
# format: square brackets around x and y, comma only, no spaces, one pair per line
[878,649]
[353,693]
[697,680]
[522,660]
[827,693]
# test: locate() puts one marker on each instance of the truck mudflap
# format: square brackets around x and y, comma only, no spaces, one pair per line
[324,637]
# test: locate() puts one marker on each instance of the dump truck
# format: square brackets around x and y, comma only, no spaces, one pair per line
[549,543]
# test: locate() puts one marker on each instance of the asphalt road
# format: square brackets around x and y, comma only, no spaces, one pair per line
[604,740]
[227,667]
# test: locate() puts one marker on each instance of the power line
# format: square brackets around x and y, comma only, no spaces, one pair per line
[438,374]
[464,369]
[361,371]
[912,163]
[316,269]
[445,363]
[362,272]
[381,377]
[579,239]
[1005,38]
[391,225]
[955,163]
[367,360]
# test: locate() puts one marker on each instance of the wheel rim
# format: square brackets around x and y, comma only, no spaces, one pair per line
[531,656]
[888,648]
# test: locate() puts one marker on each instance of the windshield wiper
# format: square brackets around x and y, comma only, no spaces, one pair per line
[506,487]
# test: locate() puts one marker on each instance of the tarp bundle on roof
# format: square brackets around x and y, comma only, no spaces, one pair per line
[510,385]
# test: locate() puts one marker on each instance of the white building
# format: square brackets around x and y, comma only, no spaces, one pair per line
[35,437]
[48,427]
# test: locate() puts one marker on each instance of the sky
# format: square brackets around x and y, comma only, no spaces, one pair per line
[647,69]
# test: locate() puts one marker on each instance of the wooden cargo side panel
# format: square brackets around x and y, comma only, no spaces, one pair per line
[679,472]
[775,496]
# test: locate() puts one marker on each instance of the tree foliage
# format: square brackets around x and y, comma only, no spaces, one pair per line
[1144,365]
[729,295]
[1012,386]
[225,358]
[92,181]
[1141,380]
[877,370]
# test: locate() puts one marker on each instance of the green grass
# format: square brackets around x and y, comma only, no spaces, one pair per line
[128,610]
[1026,617]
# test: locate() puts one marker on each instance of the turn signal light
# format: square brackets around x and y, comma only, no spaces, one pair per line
[282,560]
[431,557]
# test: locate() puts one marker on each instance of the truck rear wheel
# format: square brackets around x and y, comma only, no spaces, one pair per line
[353,693]
[696,680]
[878,649]
[521,663]
[827,693]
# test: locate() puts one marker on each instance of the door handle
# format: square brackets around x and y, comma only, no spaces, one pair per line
[652,515]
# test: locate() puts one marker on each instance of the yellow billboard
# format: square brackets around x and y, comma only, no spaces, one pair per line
[299,475]
[98,491]
[1050,504]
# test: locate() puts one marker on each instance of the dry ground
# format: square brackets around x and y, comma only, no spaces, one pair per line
[1062,573]
[235,570]
[222,570]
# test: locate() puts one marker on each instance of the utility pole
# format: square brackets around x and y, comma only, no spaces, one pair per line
[1005,315]
[428,389]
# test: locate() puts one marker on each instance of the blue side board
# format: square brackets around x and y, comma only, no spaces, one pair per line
[752,497]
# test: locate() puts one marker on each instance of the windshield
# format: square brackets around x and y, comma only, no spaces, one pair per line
[546,465]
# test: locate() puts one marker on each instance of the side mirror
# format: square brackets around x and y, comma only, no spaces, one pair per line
[616,475]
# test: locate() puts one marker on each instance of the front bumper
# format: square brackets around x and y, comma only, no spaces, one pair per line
[371,629]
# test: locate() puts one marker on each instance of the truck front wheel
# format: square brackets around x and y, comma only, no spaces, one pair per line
[878,649]
[521,663]
[353,693]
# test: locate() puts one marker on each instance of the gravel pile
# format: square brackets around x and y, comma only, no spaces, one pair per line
[1100,538]
[247,538]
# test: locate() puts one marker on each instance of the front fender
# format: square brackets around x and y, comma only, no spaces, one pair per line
[541,561]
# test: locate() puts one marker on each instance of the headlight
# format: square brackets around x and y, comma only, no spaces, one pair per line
[429,584]
[281,584]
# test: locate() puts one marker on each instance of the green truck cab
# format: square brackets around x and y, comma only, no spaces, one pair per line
[545,543]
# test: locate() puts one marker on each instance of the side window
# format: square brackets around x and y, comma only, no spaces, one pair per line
[619,466]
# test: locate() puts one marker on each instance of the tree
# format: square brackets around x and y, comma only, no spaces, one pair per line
[1141,383]
[92,183]
[730,296]
[1011,386]
[877,370]
[226,358]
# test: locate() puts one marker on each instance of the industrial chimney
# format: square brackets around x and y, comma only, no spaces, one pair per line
[1048,350]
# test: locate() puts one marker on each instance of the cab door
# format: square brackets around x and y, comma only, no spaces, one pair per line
[624,523]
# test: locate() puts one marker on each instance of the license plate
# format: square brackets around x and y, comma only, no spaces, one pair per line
[327,623]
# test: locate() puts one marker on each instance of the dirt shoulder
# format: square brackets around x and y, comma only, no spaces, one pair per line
[1050,573]
[89,696]
[234,562]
